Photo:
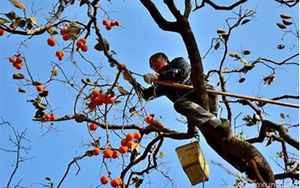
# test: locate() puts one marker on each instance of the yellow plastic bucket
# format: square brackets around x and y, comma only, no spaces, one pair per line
[193,162]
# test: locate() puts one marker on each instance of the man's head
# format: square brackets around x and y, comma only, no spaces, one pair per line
[158,61]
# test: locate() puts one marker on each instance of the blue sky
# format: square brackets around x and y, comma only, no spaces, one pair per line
[136,39]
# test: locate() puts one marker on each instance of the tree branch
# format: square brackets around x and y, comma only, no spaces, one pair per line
[159,19]
[289,3]
[69,166]
[41,29]
[173,9]
[219,7]
[187,8]
[285,61]
[266,126]
[285,175]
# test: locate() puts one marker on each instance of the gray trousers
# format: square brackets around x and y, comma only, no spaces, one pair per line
[195,113]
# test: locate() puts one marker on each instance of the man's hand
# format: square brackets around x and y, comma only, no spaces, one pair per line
[150,78]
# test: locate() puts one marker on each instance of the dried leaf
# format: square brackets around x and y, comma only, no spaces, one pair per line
[74,29]
[224,36]
[285,16]
[242,80]
[18,4]
[37,103]
[133,111]
[247,67]
[269,79]
[246,52]
[18,76]
[21,90]
[11,15]
[44,93]
[54,71]
[137,181]
[221,31]
[245,21]
[250,120]
[287,22]
[20,22]
[217,45]
[244,62]
[281,26]
[280,46]
[31,20]
[52,31]
[234,55]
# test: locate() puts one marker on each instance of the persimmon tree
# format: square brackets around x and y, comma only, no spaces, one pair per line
[119,124]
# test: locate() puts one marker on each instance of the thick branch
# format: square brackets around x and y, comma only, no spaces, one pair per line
[159,19]
[266,126]
[187,8]
[285,175]
[173,9]
[220,7]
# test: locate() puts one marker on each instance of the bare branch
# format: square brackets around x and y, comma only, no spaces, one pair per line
[162,22]
[187,8]
[285,61]
[17,141]
[75,159]
[285,175]
[289,3]
[266,126]
[41,29]
[173,9]
[220,7]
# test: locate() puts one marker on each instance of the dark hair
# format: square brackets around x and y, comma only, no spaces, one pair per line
[158,55]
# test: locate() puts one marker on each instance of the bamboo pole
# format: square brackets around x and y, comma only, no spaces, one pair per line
[182,86]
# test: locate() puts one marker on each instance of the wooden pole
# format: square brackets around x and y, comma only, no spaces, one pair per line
[182,86]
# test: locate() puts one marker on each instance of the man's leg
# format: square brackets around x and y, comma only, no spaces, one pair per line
[195,112]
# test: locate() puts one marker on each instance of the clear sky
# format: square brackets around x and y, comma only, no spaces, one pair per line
[53,146]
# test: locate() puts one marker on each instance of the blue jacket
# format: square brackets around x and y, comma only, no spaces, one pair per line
[178,70]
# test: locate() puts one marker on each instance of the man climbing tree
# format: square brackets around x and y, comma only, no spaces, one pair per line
[185,101]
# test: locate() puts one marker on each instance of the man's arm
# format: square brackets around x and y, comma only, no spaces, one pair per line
[145,93]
